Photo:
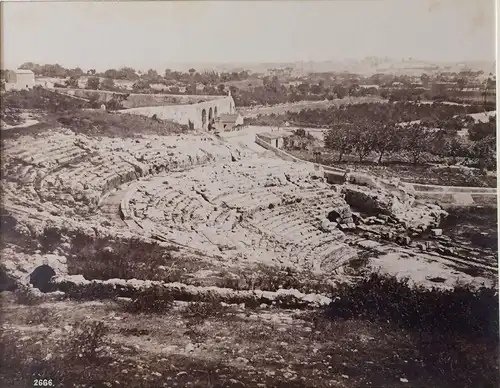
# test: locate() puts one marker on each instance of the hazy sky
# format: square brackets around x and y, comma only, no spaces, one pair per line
[154,34]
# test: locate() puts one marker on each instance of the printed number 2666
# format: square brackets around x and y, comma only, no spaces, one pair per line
[43,383]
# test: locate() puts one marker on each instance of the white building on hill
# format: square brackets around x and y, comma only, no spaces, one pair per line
[20,79]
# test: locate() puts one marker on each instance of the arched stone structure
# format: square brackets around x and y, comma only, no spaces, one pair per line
[204,118]
[185,113]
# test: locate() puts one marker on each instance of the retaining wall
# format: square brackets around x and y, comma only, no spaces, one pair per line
[137,100]
[183,114]
[336,176]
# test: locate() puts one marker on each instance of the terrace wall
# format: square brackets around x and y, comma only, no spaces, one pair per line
[336,176]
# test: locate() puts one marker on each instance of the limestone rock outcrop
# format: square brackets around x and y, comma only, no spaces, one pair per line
[371,196]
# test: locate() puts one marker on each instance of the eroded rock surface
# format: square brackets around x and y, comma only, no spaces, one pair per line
[392,199]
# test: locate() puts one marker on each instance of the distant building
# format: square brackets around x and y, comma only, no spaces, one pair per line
[227,122]
[160,87]
[20,79]
[276,139]
[374,86]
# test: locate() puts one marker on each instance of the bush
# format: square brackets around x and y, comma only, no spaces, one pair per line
[93,83]
[155,300]
[24,295]
[212,308]
[87,341]
[102,259]
[461,310]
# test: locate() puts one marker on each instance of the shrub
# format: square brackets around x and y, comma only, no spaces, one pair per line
[203,310]
[155,300]
[25,296]
[461,310]
[93,83]
[87,341]
[103,258]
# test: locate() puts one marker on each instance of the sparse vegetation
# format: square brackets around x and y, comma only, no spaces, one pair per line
[41,99]
[153,301]
[98,123]
[211,308]
[87,340]
[26,296]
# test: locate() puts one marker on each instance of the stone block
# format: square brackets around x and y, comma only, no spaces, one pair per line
[437,232]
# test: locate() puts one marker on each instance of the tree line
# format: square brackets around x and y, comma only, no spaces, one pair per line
[387,129]
[364,137]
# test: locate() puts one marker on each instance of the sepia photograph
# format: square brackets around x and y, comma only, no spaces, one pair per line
[249,194]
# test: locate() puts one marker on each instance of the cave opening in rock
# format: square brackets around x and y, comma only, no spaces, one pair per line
[333,216]
[42,275]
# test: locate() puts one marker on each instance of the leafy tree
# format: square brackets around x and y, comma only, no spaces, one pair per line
[152,76]
[417,139]
[480,130]
[76,72]
[141,85]
[108,84]
[340,91]
[386,139]
[456,147]
[111,73]
[340,138]
[485,152]
[300,132]
[363,137]
[93,83]
[127,73]
[72,82]
[34,67]
[56,71]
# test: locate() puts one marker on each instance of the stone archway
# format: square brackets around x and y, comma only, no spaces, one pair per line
[204,119]
[210,119]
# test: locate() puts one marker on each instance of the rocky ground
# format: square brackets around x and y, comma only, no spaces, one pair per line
[190,260]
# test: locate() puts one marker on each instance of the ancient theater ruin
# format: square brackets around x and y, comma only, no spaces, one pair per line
[235,200]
